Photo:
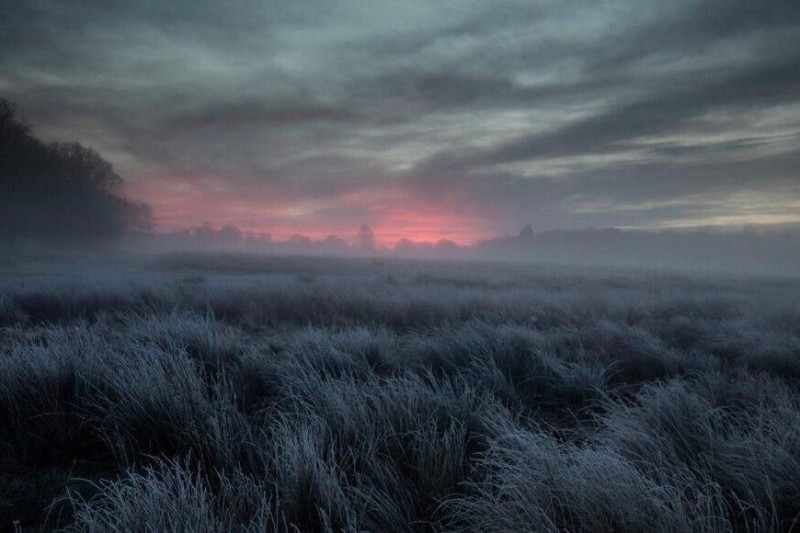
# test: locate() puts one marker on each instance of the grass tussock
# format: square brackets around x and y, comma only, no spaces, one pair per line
[386,398]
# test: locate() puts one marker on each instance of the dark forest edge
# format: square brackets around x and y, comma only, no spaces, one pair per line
[61,194]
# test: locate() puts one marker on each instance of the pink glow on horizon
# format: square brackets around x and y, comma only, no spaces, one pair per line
[182,202]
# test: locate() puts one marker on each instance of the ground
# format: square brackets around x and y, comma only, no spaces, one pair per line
[229,392]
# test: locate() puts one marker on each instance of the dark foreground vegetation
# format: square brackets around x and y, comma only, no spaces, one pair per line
[316,396]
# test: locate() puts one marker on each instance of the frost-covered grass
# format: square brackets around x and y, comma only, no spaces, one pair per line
[300,394]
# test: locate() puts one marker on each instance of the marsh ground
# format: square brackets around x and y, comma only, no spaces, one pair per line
[229,392]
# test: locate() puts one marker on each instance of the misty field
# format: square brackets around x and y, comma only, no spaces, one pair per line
[232,393]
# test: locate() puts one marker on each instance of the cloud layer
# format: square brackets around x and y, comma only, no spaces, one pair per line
[454,119]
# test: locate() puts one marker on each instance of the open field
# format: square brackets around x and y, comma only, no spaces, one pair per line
[232,393]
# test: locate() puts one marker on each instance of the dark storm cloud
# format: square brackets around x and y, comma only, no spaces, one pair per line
[254,113]
[763,85]
[620,112]
[700,24]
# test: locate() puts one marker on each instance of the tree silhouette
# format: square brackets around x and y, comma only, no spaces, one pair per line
[59,191]
[366,238]
[230,234]
[526,233]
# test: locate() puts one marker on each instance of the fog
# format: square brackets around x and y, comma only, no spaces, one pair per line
[748,251]
[772,250]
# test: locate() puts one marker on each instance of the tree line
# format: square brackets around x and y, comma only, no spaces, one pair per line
[60,192]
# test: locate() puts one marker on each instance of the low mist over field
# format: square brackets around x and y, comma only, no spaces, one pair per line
[426,265]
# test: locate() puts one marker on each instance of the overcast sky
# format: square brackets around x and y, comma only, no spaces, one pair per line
[425,119]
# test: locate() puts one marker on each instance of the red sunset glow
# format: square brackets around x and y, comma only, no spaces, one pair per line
[392,213]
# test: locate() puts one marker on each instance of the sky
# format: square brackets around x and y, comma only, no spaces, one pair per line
[424,119]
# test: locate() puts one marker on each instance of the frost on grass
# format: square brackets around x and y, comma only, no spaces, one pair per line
[391,398]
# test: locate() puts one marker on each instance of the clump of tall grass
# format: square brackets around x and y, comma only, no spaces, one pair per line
[528,481]
[740,432]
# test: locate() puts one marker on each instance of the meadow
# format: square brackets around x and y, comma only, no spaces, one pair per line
[243,393]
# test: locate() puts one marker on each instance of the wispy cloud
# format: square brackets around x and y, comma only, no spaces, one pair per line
[470,116]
